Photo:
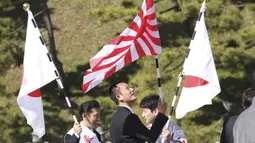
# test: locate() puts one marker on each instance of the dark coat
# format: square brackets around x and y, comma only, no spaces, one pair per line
[244,128]
[126,127]
[227,131]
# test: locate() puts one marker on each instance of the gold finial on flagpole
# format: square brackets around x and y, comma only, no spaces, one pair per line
[26,6]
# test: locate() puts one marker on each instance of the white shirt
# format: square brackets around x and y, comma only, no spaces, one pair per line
[86,136]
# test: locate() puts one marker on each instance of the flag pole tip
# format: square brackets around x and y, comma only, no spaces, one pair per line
[26,6]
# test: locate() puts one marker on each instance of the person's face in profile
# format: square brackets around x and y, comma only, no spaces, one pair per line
[149,115]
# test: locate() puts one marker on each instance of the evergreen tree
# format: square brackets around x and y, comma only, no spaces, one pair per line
[84,27]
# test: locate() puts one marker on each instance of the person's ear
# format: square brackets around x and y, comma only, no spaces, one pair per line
[156,111]
[119,97]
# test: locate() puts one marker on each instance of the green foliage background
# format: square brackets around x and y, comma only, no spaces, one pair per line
[81,29]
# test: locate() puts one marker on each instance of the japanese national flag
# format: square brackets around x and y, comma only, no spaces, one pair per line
[201,84]
[38,70]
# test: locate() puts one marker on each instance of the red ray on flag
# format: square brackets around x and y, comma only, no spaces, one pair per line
[139,39]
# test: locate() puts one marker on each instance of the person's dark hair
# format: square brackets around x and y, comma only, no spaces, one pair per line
[247,97]
[113,89]
[150,102]
[87,107]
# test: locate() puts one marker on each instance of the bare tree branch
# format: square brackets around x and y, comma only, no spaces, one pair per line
[18,29]
[250,46]
[175,6]
[176,67]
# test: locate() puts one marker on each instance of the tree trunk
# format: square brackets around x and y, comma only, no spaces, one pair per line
[52,47]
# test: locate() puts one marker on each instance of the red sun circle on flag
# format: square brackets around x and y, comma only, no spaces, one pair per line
[35,93]
[193,81]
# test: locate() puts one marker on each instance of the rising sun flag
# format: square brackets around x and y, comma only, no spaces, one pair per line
[139,39]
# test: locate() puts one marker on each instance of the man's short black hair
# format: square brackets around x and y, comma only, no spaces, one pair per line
[150,102]
[113,89]
[86,107]
[248,97]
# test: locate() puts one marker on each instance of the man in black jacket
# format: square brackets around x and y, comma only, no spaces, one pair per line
[229,121]
[173,133]
[244,127]
[126,126]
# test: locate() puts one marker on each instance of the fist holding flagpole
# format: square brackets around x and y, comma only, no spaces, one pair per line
[77,128]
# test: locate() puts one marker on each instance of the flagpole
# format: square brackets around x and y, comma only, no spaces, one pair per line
[181,76]
[158,76]
[182,73]
[175,97]
[67,99]
[26,6]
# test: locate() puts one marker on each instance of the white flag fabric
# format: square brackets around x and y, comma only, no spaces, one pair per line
[38,70]
[201,84]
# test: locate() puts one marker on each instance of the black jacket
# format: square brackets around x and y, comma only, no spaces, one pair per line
[227,131]
[126,127]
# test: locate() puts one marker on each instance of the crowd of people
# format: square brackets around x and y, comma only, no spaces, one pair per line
[239,126]
[126,127]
